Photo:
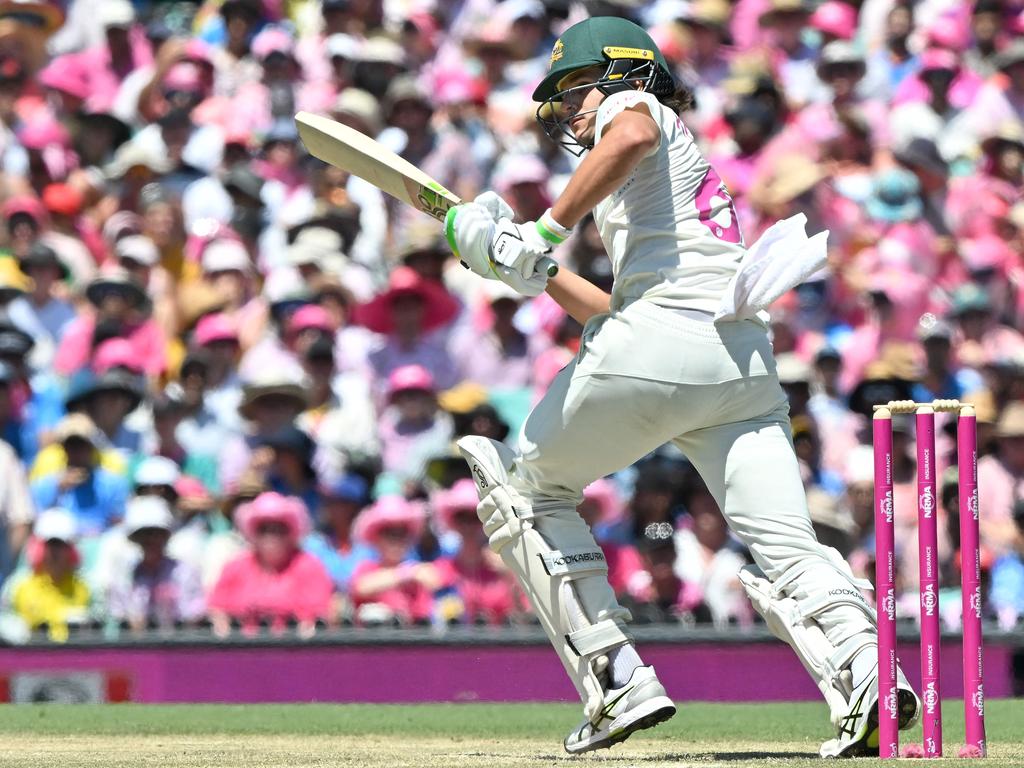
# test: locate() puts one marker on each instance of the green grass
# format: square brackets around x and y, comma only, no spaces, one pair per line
[424,736]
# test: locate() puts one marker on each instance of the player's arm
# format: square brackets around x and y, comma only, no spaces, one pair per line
[579,297]
[625,141]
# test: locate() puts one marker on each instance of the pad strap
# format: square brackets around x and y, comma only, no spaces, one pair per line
[844,654]
[810,607]
[597,638]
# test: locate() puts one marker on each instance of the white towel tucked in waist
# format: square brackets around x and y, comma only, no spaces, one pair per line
[781,259]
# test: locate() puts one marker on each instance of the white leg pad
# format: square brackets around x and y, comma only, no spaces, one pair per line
[559,565]
[795,624]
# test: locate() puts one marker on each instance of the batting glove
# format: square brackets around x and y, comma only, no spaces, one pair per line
[469,229]
[495,205]
[520,246]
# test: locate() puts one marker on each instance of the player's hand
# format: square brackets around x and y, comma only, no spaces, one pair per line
[469,230]
[495,205]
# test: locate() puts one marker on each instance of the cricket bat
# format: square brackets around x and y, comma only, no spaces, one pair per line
[355,152]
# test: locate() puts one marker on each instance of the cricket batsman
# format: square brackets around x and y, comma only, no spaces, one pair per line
[679,351]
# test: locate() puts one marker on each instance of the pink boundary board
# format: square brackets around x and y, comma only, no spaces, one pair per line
[434,673]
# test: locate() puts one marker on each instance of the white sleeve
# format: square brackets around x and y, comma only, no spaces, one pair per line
[618,102]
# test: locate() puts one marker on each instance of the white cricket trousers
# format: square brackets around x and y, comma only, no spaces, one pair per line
[647,375]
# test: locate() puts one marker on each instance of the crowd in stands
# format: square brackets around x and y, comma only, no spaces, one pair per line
[231,376]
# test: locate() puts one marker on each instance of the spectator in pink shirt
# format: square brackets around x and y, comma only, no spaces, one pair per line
[274,580]
[479,588]
[413,429]
[1001,481]
[394,589]
[120,309]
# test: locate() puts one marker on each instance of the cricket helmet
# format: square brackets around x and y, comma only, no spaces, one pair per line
[627,54]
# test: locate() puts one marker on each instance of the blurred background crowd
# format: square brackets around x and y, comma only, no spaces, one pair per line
[231,376]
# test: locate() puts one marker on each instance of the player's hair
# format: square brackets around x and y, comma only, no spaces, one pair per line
[680,100]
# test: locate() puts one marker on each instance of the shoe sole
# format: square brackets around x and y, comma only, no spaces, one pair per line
[649,714]
[867,745]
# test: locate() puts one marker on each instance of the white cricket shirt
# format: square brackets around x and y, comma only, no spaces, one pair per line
[670,230]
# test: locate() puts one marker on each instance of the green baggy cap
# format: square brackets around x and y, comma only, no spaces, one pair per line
[596,41]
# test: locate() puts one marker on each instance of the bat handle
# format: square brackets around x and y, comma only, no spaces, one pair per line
[548,265]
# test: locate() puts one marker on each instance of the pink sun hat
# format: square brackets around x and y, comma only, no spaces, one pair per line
[388,511]
[213,328]
[116,353]
[273,508]
[835,18]
[440,307]
[461,496]
[272,39]
[939,58]
[184,76]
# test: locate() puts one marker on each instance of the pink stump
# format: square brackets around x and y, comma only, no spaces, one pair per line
[970,579]
[928,549]
[885,587]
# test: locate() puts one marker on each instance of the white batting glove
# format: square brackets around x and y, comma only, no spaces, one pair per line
[520,246]
[530,287]
[469,229]
[495,205]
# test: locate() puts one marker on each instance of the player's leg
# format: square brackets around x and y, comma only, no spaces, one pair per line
[585,427]
[806,591]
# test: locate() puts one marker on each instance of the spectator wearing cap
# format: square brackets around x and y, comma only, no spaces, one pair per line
[200,431]
[25,219]
[278,92]
[491,350]
[922,158]
[444,155]
[980,336]
[216,340]
[51,593]
[228,268]
[941,379]
[935,115]
[1001,478]
[473,586]
[17,426]
[269,403]
[977,203]
[274,580]
[405,314]
[119,308]
[161,592]
[1001,98]
[139,257]
[782,23]
[828,407]
[80,481]
[334,543]
[412,428]
[44,304]
[392,588]
[17,510]
[288,464]
[752,125]
[341,417]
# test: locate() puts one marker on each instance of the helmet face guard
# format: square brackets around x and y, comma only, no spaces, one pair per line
[621,74]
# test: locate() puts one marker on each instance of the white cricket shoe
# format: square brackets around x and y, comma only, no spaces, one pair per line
[640,703]
[858,728]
